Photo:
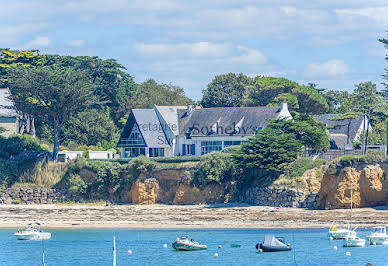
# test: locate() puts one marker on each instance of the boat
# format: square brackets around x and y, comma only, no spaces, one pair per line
[379,236]
[185,244]
[32,232]
[352,240]
[337,232]
[273,244]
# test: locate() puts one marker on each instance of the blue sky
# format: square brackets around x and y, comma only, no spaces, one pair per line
[332,43]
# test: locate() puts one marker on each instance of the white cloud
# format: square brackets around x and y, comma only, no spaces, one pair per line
[198,49]
[330,68]
[39,41]
[248,56]
[103,6]
[76,43]
[376,14]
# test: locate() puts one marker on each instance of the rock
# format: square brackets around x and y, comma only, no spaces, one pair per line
[145,191]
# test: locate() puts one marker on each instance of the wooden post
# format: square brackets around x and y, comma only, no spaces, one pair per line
[43,252]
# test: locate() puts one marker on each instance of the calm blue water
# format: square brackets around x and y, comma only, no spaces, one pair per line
[94,247]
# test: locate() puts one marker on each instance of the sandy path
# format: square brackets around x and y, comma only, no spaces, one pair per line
[181,216]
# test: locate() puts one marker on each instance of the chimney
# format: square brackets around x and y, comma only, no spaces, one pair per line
[283,112]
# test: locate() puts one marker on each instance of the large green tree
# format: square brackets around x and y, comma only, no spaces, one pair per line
[150,93]
[385,42]
[54,94]
[226,90]
[270,90]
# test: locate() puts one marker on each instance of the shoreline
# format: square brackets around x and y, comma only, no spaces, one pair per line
[159,216]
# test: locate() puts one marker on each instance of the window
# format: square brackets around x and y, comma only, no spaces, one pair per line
[135,138]
[209,146]
[190,149]
[156,152]
[232,143]
[134,152]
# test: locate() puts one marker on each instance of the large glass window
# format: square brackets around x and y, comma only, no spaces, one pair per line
[156,152]
[135,138]
[209,146]
[134,152]
[232,143]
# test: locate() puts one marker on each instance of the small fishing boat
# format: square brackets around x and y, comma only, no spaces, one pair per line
[273,244]
[184,244]
[32,232]
[336,232]
[353,241]
[379,236]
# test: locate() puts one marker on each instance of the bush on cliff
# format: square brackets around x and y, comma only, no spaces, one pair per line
[301,165]
[16,144]
[214,167]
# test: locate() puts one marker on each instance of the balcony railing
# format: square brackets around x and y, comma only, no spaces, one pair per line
[131,143]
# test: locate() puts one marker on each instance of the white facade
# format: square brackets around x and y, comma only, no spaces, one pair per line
[65,156]
[100,154]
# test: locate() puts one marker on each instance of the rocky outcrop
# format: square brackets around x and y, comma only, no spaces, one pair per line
[26,195]
[145,191]
[369,185]
[279,197]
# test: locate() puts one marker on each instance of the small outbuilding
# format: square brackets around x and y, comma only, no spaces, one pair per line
[65,156]
[100,154]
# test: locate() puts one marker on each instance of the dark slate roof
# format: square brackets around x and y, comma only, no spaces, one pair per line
[338,141]
[201,121]
[7,107]
[341,127]
[150,128]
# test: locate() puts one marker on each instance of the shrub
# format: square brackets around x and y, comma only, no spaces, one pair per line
[301,165]
[44,174]
[16,144]
[214,167]
[17,201]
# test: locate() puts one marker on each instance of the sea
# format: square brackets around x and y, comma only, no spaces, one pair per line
[153,247]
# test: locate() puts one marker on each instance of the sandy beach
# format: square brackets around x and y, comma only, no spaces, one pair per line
[182,216]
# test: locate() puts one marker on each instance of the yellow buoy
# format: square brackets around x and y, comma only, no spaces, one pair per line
[215,255]
[348,253]
[260,250]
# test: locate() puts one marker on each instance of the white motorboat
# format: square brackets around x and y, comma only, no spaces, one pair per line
[354,241]
[379,236]
[32,232]
[337,232]
[184,244]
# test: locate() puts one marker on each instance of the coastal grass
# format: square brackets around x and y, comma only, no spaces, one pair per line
[44,174]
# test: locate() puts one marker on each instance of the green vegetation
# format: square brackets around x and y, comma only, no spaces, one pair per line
[14,145]
[298,167]
[214,167]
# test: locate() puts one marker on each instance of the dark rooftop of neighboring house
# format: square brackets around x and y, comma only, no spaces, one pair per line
[341,127]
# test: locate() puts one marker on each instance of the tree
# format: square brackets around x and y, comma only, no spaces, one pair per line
[150,93]
[310,132]
[226,90]
[54,94]
[269,90]
[367,100]
[16,58]
[385,42]
[111,84]
[91,127]
[268,150]
[337,101]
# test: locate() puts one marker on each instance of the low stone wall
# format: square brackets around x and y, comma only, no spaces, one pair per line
[280,197]
[32,196]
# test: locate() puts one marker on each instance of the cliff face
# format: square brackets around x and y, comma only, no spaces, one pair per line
[172,186]
[369,183]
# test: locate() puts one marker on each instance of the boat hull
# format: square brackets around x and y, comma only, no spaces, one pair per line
[33,236]
[376,240]
[354,243]
[338,234]
[179,246]
[266,248]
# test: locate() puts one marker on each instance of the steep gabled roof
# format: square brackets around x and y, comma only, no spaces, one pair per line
[149,126]
[170,115]
[7,107]
[222,121]
[341,127]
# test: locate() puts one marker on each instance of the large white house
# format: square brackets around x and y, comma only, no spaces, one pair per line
[192,130]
